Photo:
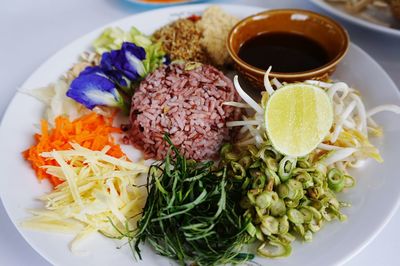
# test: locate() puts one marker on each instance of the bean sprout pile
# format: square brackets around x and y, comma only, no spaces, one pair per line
[347,144]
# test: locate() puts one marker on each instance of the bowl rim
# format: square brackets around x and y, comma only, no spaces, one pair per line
[303,74]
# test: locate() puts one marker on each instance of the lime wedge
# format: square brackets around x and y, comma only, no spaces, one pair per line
[297,118]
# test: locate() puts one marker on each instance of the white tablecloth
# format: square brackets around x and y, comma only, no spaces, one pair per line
[31,31]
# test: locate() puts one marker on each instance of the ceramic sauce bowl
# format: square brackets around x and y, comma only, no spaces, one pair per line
[322,30]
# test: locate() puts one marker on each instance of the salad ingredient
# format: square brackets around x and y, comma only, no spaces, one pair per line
[110,83]
[215,25]
[285,197]
[87,58]
[297,118]
[253,104]
[289,196]
[127,61]
[185,101]
[113,38]
[192,214]
[181,41]
[94,88]
[92,131]
[346,145]
[56,101]
[98,193]
[54,95]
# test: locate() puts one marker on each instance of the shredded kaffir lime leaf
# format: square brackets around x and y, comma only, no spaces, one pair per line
[192,213]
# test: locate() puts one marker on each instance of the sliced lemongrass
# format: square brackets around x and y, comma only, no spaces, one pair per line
[349,181]
[295,216]
[340,166]
[286,167]
[336,180]
[270,224]
[274,249]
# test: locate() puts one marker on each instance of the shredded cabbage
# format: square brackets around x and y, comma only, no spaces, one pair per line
[57,103]
[100,194]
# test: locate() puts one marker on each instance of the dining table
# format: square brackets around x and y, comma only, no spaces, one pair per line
[32,31]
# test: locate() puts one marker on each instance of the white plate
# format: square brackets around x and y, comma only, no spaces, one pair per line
[357,19]
[374,199]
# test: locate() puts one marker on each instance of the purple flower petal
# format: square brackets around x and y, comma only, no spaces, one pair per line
[127,60]
[107,64]
[132,59]
[93,88]
[108,59]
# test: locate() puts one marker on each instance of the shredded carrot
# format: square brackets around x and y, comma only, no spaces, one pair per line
[92,131]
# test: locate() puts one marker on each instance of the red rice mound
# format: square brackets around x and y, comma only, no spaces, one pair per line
[186,104]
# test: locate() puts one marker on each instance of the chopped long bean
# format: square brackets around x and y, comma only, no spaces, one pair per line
[284,197]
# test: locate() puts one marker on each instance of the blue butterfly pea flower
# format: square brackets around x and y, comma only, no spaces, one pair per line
[110,83]
[127,61]
[93,87]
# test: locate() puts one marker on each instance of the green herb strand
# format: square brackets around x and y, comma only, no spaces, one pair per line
[192,213]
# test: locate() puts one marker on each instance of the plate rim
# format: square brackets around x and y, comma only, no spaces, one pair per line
[170,9]
[358,21]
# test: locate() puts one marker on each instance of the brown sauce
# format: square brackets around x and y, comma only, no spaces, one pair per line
[285,52]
